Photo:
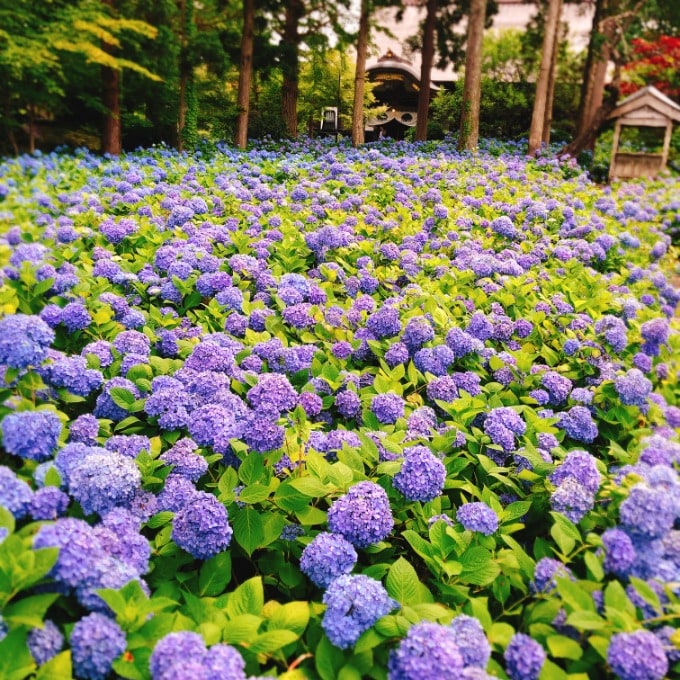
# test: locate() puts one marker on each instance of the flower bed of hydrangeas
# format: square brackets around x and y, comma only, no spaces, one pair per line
[318,412]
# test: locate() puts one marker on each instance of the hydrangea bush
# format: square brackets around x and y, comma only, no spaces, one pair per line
[309,411]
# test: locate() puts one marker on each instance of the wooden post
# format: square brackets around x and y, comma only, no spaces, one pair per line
[666,143]
[615,148]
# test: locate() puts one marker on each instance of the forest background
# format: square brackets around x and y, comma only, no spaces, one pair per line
[121,74]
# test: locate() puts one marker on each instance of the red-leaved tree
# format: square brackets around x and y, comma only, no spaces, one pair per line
[654,63]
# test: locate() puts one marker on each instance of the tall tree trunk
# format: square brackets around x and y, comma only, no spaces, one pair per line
[542,84]
[472,87]
[245,74]
[614,19]
[592,70]
[111,140]
[111,133]
[31,128]
[550,97]
[360,76]
[187,113]
[290,64]
[426,70]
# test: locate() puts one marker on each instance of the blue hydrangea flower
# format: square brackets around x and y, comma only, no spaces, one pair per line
[545,573]
[385,323]
[45,643]
[428,652]
[32,435]
[502,424]
[105,407]
[15,493]
[557,385]
[647,512]
[633,387]
[581,466]
[177,492]
[471,640]
[421,476]
[396,354]
[353,605]
[478,516]
[202,527]
[96,642]
[572,499]
[637,656]
[224,662]
[75,317]
[578,423]
[79,549]
[262,435]
[462,342]
[48,502]
[418,331]
[71,373]
[363,515]
[348,403]
[524,658]
[327,557]
[619,552]
[273,394]
[184,460]
[100,482]
[387,407]
[24,340]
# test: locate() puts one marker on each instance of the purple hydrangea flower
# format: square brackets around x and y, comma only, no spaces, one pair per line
[581,466]
[633,388]
[45,643]
[75,316]
[578,423]
[387,407]
[396,354]
[478,516]
[418,331]
[273,394]
[385,323]
[24,340]
[353,605]
[79,549]
[637,656]
[558,387]
[48,502]
[348,403]
[96,642]
[648,512]
[327,557]
[174,647]
[363,515]
[177,493]
[262,435]
[545,573]
[421,476]
[71,373]
[619,552]
[428,652]
[103,481]
[184,460]
[524,658]
[471,640]
[32,435]
[15,493]
[202,527]
[502,424]
[572,499]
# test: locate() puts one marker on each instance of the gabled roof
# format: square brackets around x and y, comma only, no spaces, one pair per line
[647,105]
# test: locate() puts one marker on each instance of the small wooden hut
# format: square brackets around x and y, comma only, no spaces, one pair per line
[646,108]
